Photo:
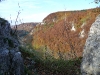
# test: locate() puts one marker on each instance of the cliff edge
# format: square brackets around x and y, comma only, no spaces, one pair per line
[11,62]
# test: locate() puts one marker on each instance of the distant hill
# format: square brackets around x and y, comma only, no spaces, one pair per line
[63,33]
[26,26]
[25,31]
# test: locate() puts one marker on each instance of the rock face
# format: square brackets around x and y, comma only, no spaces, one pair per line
[91,55]
[11,62]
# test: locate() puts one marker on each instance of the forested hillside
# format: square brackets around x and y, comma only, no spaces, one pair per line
[62,34]
[55,46]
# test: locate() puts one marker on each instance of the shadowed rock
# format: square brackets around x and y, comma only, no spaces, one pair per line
[11,62]
[91,55]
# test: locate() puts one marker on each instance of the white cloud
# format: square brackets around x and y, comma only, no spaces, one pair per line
[31,6]
[33,10]
[37,17]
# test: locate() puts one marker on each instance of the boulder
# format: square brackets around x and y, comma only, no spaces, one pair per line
[11,61]
[91,54]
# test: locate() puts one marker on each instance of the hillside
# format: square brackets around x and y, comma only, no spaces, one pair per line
[25,31]
[60,37]
[63,34]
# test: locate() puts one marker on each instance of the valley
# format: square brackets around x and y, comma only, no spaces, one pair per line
[57,42]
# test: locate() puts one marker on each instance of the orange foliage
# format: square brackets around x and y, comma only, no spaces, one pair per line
[59,37]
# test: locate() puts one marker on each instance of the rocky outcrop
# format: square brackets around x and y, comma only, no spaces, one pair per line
[11,62]
[91,55]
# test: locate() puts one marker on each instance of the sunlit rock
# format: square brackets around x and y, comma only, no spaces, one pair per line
[73,27]
[82,34]
[91,55]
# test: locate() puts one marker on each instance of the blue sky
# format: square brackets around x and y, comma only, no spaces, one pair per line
[36,10]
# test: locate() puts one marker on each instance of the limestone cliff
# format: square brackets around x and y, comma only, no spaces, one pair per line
[11,62]
[91,55]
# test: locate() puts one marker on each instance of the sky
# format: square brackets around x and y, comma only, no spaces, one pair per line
[37,10]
